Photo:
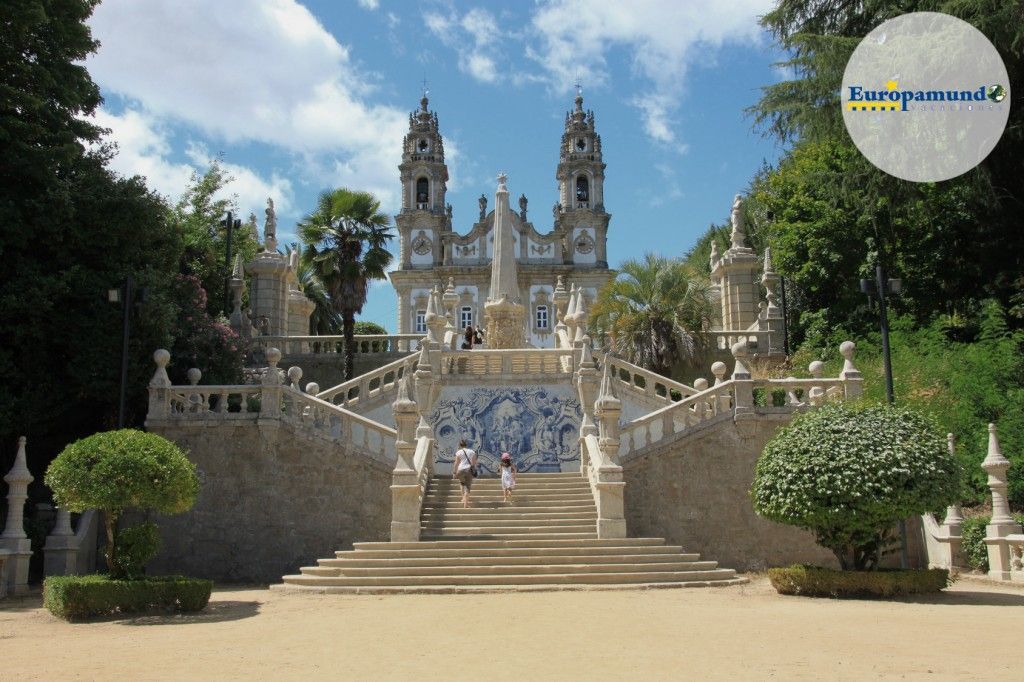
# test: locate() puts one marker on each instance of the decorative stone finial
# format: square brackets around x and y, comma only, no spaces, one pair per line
[522,207]
[700,383]
[237,272]
[19,473]
[737,237]
[768,267]
[846,348]
[160,379]
[816,368]
[587,357]
[273,357]
[17,480]
[740,352]
[714,254]
[270,227]
[502,179]
[996,465]
[294,376]
[194,375]
[404,401]
[312,388]
[718,369]
[606,393]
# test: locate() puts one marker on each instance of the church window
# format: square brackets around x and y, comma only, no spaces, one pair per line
[582,191]
[465,316]
[422,192]
[542,317]
[421,321]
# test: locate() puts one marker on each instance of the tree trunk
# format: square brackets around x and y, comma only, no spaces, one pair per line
[110,551]
[348,322]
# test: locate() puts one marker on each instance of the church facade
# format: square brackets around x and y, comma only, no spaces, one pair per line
[572,245]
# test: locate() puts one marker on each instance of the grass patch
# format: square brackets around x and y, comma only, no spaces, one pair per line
[815,581]
[76,597]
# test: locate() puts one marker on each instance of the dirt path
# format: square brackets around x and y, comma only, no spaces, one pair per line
[745,632]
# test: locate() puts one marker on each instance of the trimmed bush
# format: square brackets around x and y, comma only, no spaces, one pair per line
[814,581]
[86,596]
[136,546]
[119,470]
[850,473]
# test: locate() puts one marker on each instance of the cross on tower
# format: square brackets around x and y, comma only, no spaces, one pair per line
[425,91]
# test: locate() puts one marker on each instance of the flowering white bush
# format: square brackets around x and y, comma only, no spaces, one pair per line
[850,473]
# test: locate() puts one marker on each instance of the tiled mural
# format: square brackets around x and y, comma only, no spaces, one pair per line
[538,425]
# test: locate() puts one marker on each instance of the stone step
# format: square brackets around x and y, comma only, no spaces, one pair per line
[622,577]
[504,535]
[507,513]
[515,543]
[554,477]
[507,569]
[492,520]
[512,507]
[451,483]
[531,553]
[471,528]
[357,560]
[452,499]
[485,589]
[498,503]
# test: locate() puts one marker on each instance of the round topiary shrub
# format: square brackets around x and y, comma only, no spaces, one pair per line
[849,474]
[119,470]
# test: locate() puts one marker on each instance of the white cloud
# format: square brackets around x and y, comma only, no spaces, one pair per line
[664,37]
[474,37]
[250,71]
[369,4]
[143,148]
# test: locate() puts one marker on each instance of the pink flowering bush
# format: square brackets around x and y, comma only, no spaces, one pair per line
[201,340]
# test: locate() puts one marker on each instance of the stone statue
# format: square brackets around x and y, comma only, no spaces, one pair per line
[448,212]
[254,230]
[522,207]
[737,236]
[483,207]
[556,210]
[270,226]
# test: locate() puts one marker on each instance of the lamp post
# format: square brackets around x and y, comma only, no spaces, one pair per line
[230,223]
[126,294]
[879,287]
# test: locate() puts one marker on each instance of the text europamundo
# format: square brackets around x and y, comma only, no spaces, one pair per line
[892,98]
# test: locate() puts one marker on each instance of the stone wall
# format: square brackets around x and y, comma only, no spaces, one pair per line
[271,500]
[696,493]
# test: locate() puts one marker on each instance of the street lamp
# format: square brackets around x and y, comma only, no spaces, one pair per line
[127,294]
[879,287]
[230,223]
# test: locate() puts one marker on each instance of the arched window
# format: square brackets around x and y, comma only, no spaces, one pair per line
[421,322]
[582,190]
[542,317]
[422,192]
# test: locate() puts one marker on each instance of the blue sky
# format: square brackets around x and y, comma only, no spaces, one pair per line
[302,97]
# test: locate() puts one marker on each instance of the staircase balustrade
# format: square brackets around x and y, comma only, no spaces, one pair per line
[758,340]
[546,361]
[335,344]
[380,382]
[676,417]
[644,382]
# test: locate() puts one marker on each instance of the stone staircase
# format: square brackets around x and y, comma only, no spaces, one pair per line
[545,539]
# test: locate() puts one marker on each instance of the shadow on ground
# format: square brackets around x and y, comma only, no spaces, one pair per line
[215,612]
[967,598]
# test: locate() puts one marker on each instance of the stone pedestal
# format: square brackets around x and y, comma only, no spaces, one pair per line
[14,539]
[268,292]
[505,324]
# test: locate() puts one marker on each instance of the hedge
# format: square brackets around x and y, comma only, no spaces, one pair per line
[84,596]
[973,534]
[815,581]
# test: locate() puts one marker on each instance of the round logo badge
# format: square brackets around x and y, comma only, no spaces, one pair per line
[925,97]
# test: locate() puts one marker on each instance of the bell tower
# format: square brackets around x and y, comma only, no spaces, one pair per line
[580,212]
[424,175]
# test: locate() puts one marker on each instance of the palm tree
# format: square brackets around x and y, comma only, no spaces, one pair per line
[658,309]
[346,247]
[325,320]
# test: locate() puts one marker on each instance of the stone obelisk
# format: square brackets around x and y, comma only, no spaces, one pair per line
[503,311]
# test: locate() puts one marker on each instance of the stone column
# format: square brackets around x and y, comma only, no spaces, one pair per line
[503,310]
[268,291]
[586,381]
[854,382]
[270,396]
[159,389]
[1002,524]
[743,391]
[60,554]
[14,539]
[606,479]
[405,483]
[561,300]
[772,318]
[736,271]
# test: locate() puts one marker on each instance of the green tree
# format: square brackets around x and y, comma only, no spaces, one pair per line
[325,320]
[346,241]
[658,309]
[364,327]
[120,470]
[849,474]
[198,217]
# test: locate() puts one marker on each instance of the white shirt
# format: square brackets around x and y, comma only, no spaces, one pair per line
[463,459]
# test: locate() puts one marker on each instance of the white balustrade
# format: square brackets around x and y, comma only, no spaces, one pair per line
[382,381]
[335,344]
[508,362]
[676,417]
[640,381]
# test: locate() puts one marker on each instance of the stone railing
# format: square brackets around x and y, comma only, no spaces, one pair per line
[335,345]
[640,381]
[508,363]
[757,340]
[738,397]
[676,417]
[271,400]
[607,486]
[381,382]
